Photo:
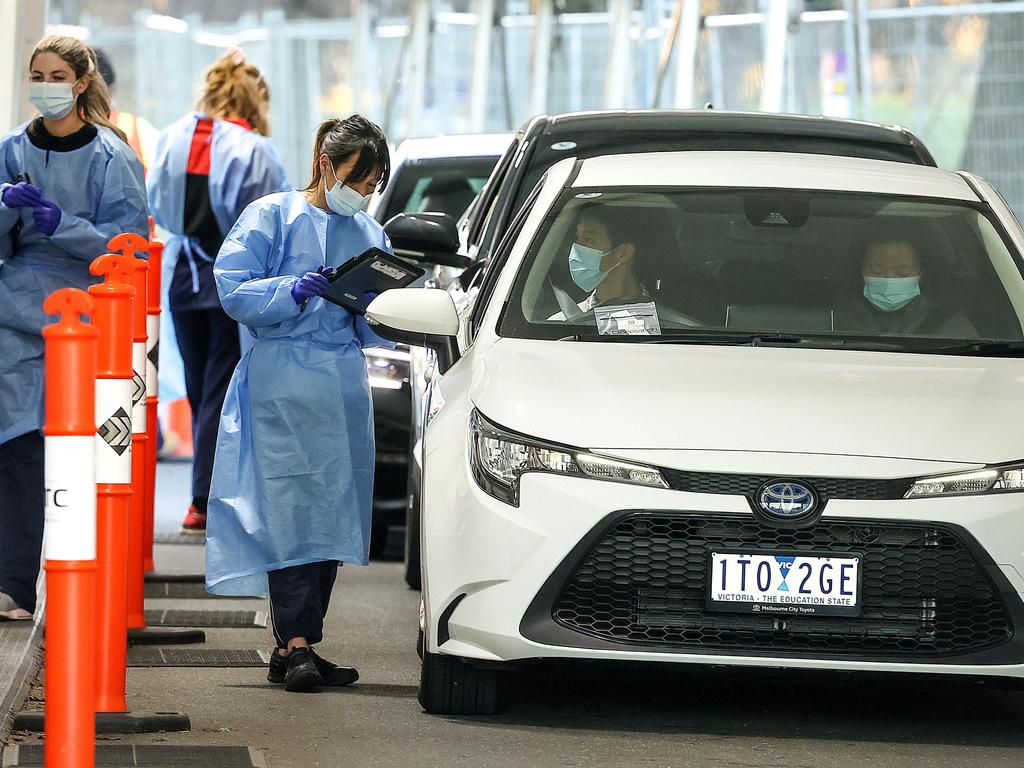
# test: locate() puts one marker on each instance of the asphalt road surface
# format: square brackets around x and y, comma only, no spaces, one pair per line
[560,716]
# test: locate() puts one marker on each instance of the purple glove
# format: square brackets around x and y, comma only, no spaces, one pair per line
[309,285]
[22,195]
[47,217]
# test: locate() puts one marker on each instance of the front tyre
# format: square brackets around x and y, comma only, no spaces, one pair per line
[451,686]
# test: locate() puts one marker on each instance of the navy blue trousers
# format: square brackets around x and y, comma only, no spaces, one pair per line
[299,597]
[22,496]
[210,350]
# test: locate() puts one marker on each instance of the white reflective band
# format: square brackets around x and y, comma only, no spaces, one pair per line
[152,353]
[113,430]
[70,498]
[139,387]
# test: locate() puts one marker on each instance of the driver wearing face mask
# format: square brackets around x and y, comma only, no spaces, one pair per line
[893,298]
[601,262]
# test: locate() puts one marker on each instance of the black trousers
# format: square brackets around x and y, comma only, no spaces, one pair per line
[210,350]
[299,597]
[22,496]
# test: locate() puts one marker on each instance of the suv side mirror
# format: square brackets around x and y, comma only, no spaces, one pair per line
[420,317]
[429,237]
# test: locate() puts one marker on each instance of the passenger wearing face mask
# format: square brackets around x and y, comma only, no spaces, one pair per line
[68,183]
[293,479]
[208,166]
[894,300]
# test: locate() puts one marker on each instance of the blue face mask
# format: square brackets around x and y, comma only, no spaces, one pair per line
[585,266]
[891,293]
[344,200]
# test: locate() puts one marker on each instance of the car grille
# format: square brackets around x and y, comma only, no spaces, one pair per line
[645,582]
[749,485]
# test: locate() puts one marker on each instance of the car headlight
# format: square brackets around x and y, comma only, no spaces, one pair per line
[387,368]
[998,479]
[499,458]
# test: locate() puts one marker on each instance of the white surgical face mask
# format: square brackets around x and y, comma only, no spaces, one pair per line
[344,200]
[53,100]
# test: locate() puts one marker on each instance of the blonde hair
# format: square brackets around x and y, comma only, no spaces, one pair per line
[234,88]
[94,102]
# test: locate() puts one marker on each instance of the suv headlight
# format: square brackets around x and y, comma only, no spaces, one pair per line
[998,479]
[500,458]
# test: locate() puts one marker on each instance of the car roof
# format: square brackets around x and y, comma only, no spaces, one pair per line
[466,145]
[723,121]
[771,170]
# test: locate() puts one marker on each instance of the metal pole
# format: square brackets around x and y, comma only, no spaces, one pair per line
[480,75]
[543,16]
[617,74]
[417,66]
[862,34]
[686,57]
[360,48]
[775,33]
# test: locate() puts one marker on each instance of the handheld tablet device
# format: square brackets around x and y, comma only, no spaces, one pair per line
[372,271]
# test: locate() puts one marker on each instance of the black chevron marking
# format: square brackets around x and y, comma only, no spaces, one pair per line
[139,391]
[116,431]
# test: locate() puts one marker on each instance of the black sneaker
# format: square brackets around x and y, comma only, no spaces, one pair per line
[301,673]
[332,674]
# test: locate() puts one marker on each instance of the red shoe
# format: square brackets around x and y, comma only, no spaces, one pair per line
[195,522]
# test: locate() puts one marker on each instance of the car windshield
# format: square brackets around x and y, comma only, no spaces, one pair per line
[764,266]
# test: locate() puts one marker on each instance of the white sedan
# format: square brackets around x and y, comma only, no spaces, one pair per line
[727,408]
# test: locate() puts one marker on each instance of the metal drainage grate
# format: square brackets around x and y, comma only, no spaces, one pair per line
[148,756]
[143,656]
[176,589]
[183,618]
[189,578]
[177,538]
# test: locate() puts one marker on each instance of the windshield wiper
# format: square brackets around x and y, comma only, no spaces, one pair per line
[751,339]
[986,347]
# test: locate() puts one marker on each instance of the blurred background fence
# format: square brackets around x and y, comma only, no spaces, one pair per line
[952,72]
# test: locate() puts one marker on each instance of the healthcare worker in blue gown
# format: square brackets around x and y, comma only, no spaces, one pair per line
[208,166]
[293,477]
[68,183]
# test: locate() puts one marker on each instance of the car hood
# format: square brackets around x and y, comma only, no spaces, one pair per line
[660,397]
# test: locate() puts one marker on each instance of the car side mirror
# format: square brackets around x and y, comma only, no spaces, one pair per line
[420,317]
[429,237]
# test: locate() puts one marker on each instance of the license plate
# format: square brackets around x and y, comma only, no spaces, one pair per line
[786,583]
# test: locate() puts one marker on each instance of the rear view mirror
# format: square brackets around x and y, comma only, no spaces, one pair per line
[428,237]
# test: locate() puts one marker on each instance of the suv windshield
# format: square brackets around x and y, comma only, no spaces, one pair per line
[764,266]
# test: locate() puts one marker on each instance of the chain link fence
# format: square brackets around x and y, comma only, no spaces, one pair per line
[952,73]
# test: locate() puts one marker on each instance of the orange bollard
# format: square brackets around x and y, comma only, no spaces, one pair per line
[130,244]
[156,250]
[70,429]
[113,318]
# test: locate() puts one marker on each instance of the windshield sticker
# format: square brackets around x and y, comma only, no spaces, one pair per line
[628,320]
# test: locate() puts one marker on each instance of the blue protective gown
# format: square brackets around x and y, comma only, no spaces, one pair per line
[97,181]
[293,477]
[244,166]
